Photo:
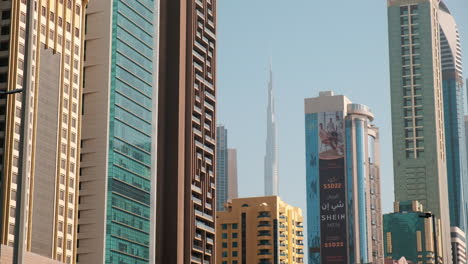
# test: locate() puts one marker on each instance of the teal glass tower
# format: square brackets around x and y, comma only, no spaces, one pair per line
[408,234]
[452,83]
[420,156]
[117,198]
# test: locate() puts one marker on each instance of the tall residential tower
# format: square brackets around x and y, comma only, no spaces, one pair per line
[271,154]
[344,218]
[417,103]
[41,52]
[186,129]
[118,142]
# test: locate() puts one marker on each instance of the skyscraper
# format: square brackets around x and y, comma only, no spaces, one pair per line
[260,230]
[343,184]
[118,140]
[408,234]
[233,191]
[40,52]
[271,154]
[222,168]
[419,151]
[186,132]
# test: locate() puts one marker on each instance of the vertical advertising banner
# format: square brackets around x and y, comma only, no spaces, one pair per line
[333,227]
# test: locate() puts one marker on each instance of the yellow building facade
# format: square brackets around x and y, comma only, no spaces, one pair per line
[263,230]
[41,52]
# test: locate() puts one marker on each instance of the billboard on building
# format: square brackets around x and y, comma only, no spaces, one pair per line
[333,227]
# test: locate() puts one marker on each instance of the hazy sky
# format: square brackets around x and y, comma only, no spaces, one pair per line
[315,45]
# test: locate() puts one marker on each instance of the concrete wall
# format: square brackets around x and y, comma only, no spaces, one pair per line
[6,257]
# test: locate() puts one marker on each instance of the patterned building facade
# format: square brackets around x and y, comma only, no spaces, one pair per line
[186,169]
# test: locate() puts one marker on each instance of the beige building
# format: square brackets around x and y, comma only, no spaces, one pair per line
[233,191]
[259,230]
[41,54]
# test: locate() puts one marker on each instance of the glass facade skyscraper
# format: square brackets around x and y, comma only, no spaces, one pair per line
[343,186]
[452,83]
[222,171]
[417,101]
[118,179]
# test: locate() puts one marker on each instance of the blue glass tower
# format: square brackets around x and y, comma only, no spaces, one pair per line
[117,199]
[222,181]
[343,187]
[452,84]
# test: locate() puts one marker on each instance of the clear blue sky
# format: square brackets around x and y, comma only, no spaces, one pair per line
[315,45]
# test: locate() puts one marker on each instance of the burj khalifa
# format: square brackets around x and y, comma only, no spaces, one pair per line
[271,155]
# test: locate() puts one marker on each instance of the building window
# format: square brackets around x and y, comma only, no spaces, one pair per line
[6,14]
[224,235]
[19,80]
[224,245]
[14,177]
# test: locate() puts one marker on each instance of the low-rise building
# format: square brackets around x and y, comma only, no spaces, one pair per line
[262,230]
